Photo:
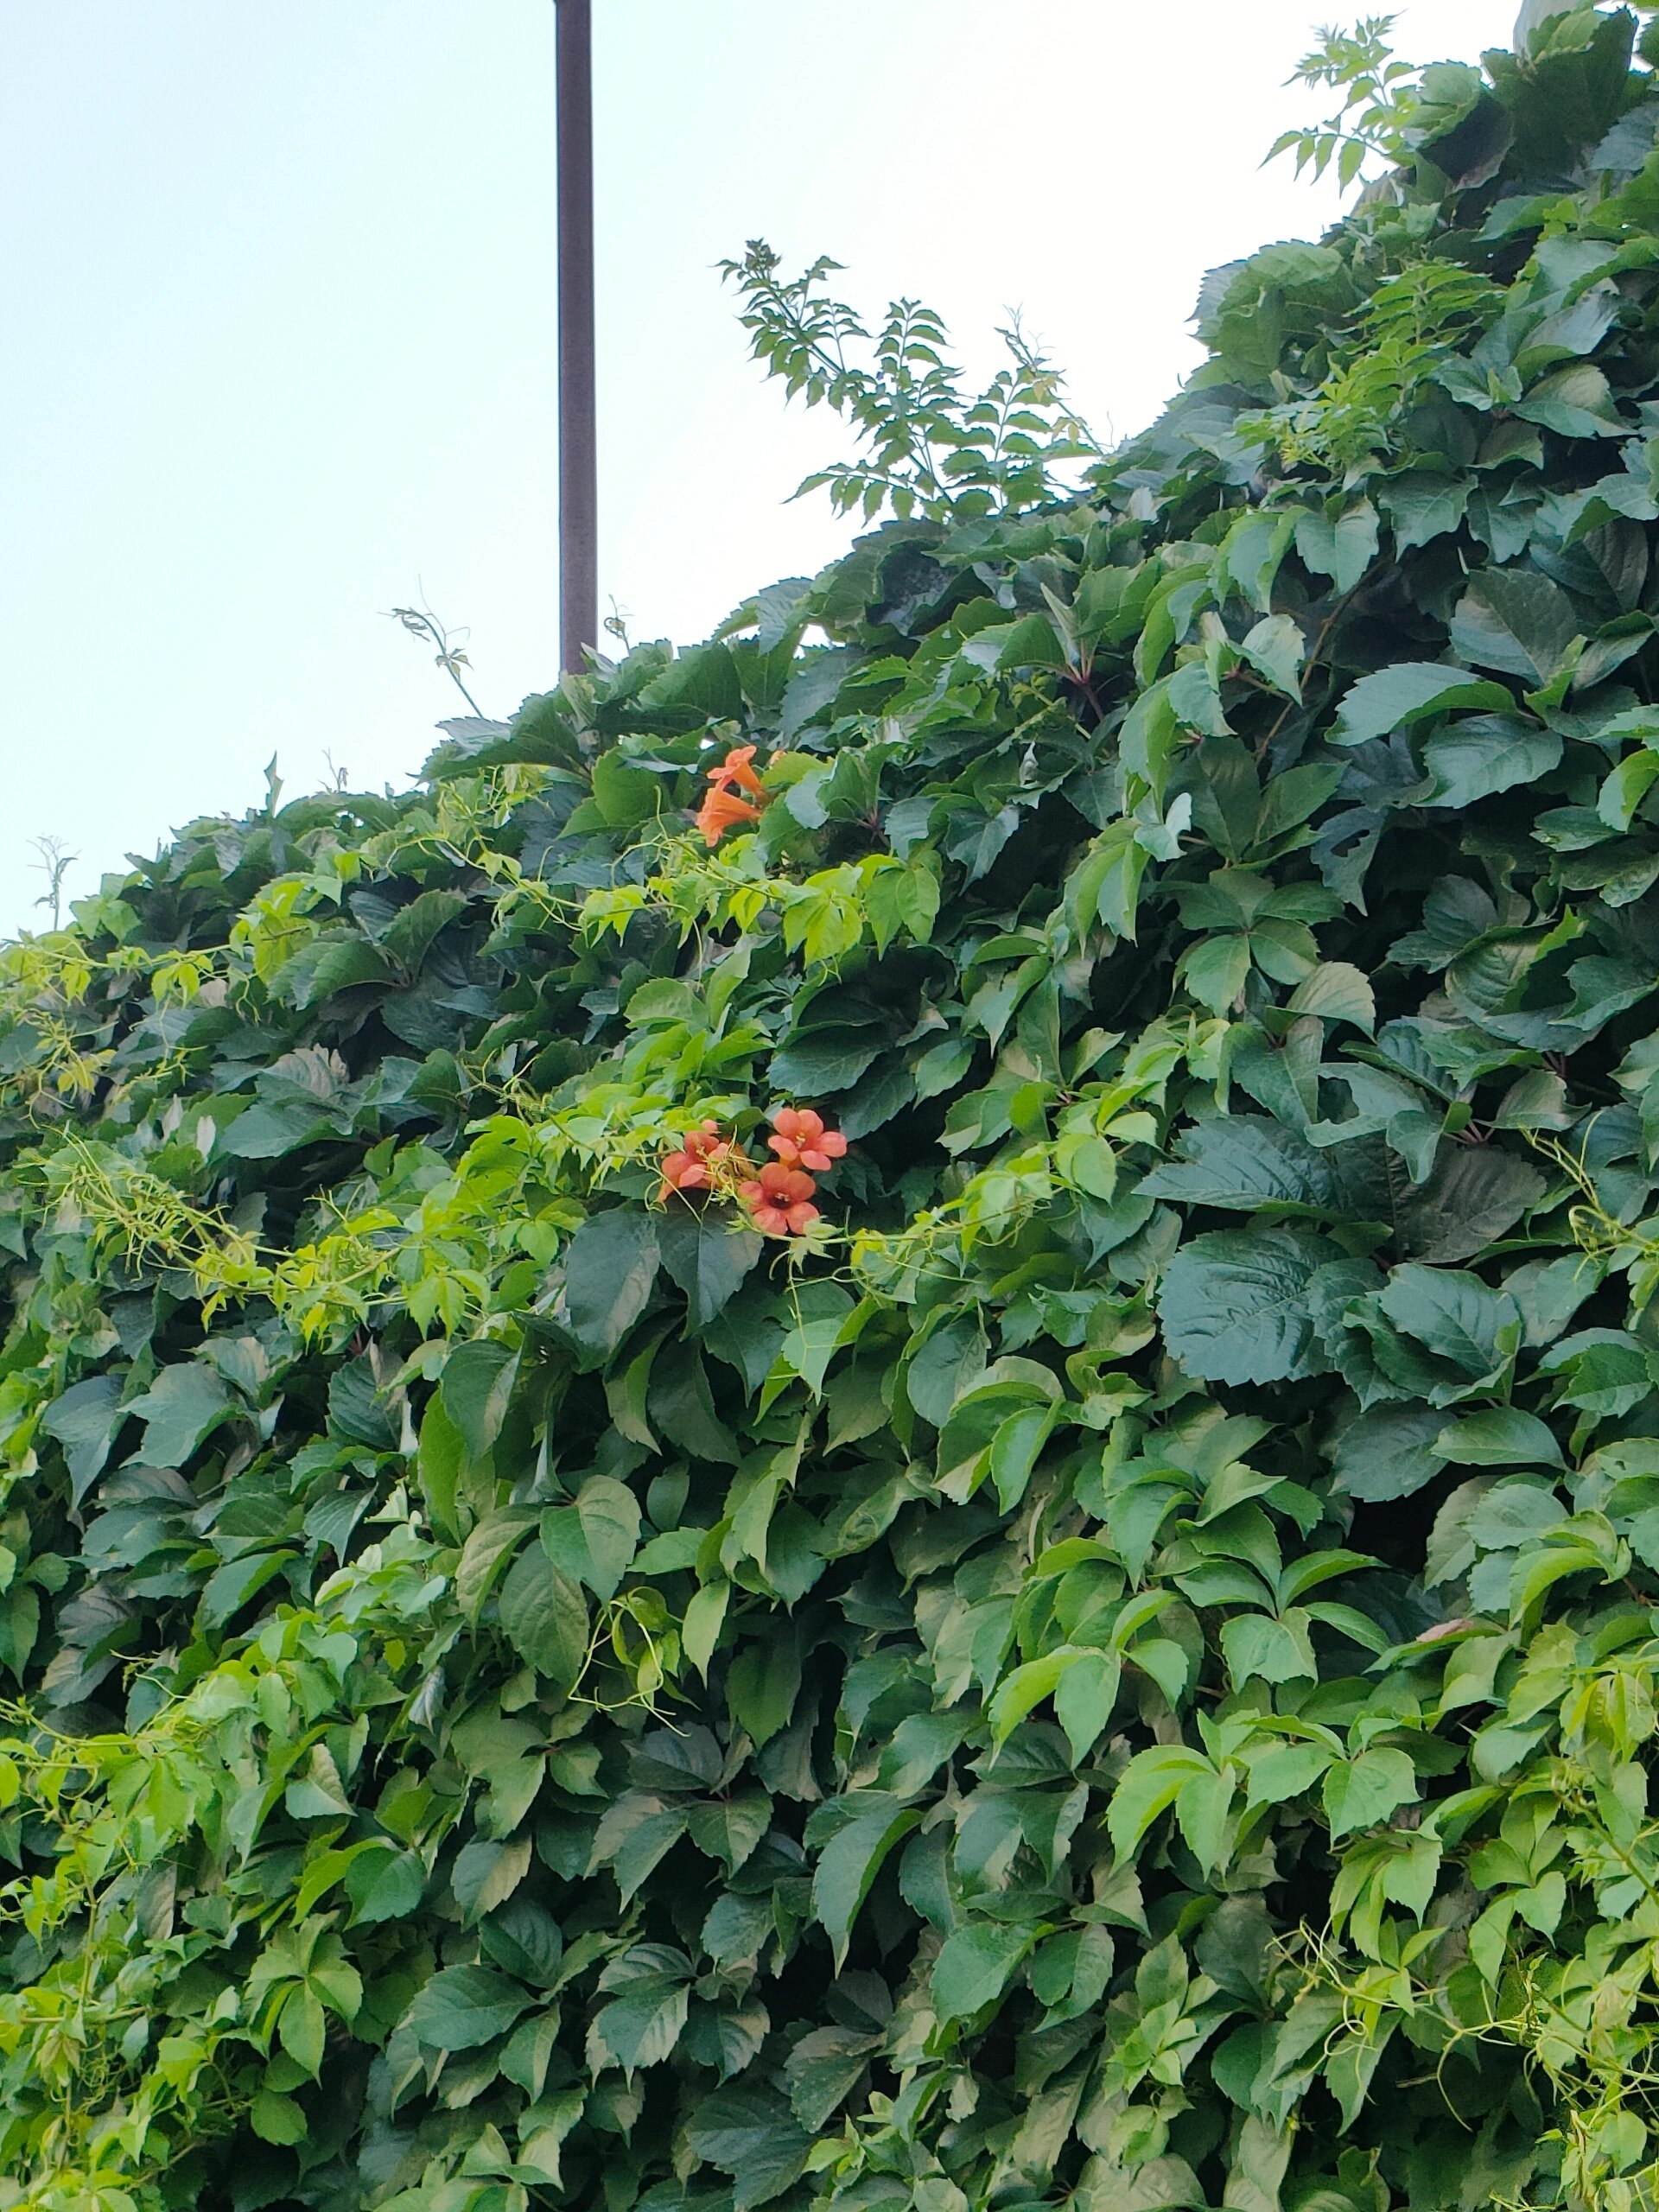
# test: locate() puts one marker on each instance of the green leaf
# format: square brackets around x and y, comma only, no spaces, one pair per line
[478,1380]
[525,1940]
[1342,550]
[1149,1785]
[228,1588]
[1275,647]
[822,2070]
[594,1540]
[463,2006]
[1288,1770]
[1512,1512]
[682,1405]
[342,966]
[700,1631]
[1516,620]
[384,1885]
[1247,1164]
[1422,504]
[1236,1307]
[823,1061]
[625,796]
[947,1365]
[916,900]
[1256,1646]
[1625,787]
[1360,1792]
[1389,1453]
[761,1686]
[1337,991]
[821,1312]
[1604,1372]
[84,1420]
[439,1458]
[749,2132]
[541,2132]
[485,1875]
[1395,698]
[417,926]
[850,1861]
[544,1619]
[1577,401]
[276,2119]
[181,1408]
[635,1834]
[707,1257]
[1473,1196]
[973,1967]
[731,1828]
[1486,753]
[1027,1685]
[1500,1436]
[1202,1804]
[1015,1449]
[1216,969]
[699,686]
[485,1556]
[609,1270]
[646,2017]
[1085,1695]
[1455,1315]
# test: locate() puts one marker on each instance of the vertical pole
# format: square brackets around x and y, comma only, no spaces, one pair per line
[578,470]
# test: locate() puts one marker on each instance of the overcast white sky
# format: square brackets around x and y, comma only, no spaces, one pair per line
[279,347]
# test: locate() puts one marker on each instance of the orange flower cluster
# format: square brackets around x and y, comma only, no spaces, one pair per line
[724,807]
[777,1196]
[697,1165]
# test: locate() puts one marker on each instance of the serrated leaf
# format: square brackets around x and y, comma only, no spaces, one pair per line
[1248,1164]
[973,1967]
[544,1617]
[707,1256]
[594,1539]
[1389,1452]
[1337,991]
[1395,698]
[1360,1792]
[749,2132]
[700,1631]
[1486,753]
[821,2071]
[463,2006]
[1236,1305]
[850,1861]
[1516,620]
[1275,647]
[1149,1786]
[181,1408]
[1500,1436]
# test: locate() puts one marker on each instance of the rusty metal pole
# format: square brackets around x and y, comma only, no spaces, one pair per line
[578,465]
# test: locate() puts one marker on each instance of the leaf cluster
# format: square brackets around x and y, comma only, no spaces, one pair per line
[931,447]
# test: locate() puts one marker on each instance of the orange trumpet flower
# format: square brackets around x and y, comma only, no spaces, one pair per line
[803,1140]
[779,1200]
[735,769]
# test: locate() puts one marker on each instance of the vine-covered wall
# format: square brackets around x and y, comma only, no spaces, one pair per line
[874,1426]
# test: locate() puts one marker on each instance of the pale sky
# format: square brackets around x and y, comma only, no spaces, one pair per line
[280,294]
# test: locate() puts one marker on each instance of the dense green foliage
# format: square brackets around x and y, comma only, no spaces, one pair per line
[1116,1665]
